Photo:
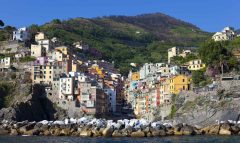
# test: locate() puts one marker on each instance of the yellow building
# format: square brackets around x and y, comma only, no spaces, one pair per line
[196,65]
[179,83]
[98,70]
[135,76]
[47,73]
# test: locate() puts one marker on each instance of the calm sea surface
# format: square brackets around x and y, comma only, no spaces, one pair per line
[182,139]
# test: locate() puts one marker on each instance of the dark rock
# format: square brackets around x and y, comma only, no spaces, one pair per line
[235,129]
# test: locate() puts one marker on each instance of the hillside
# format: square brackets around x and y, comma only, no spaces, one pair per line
[125,39]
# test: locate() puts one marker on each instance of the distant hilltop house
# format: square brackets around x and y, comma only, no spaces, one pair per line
[174,51]
[81,46]
[226,34]
[21,34]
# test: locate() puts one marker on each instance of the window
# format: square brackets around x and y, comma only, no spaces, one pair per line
[50,77]
[183,87]
[183,80]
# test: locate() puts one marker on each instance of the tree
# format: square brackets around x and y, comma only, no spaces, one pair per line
[56,21]
[218,55]
[197,77]
[1,23]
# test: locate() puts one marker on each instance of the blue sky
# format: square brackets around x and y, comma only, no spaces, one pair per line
[209,15]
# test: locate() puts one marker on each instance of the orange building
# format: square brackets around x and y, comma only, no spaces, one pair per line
[135,76]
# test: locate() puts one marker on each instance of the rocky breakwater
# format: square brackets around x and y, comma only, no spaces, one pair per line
[87,127]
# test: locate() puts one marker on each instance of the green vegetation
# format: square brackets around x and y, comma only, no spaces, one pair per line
[5,97]
[200,79]
[178,60]
[6,33]
[173,111]
[218,54]
[122,39]
[27,59]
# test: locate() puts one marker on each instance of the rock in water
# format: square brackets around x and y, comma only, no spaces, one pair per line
[224,132]
[3,131]
[107,132]
[86,133]
[214,130]
[138,134]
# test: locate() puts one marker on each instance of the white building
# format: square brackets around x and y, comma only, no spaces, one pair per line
[37,51]
[226,34]
[5,62]
[41,39]
[66,87]
[47,44]
[21,34]
[172,52]
[81,46]
[147,69]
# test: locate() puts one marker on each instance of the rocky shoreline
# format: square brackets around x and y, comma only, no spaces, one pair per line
[86,127]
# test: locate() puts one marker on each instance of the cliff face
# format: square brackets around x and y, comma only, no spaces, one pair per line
[35,108]
[205,108]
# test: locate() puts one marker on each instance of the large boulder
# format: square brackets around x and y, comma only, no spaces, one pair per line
[235,129]
[13,132]
[211,130]
[86,133]
[187,130]
[138,134]
[3,131]
[170,131]
[96,132]
[107,132]
[117,133]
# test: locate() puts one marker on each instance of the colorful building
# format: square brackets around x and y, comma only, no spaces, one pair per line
[135,76]
[179,83]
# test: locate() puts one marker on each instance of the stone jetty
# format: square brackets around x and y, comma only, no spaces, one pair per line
[87,127]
